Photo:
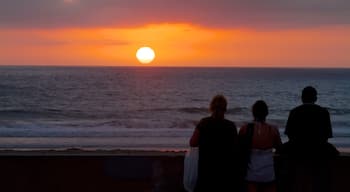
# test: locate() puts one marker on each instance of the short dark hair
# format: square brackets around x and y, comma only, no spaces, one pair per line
[260,110]
[309,95]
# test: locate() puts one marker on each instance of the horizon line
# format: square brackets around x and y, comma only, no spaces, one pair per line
[170,66]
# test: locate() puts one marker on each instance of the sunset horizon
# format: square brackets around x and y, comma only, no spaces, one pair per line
[140,65]
[190,34]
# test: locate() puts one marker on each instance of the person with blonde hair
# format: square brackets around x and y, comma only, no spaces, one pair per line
[216,139]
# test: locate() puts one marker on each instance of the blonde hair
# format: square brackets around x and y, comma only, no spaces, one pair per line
[218,103]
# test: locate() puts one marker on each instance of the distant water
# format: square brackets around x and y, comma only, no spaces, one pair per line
[150,108]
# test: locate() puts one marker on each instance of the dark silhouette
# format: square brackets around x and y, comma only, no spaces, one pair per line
[216,139]
[257,141]
[308,126]
[308,129]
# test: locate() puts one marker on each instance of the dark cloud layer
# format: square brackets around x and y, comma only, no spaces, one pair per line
[213,13]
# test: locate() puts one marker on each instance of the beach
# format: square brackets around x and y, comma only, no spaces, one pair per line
[114,170]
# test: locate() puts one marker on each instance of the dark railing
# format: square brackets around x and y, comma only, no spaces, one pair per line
[115,171]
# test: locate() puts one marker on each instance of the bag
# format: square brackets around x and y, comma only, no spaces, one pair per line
[190,169]
[245,145]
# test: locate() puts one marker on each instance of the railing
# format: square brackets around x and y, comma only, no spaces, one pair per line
[115,171]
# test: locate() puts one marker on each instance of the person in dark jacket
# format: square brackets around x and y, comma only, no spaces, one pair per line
[216,139]
[308,125]
[308,129]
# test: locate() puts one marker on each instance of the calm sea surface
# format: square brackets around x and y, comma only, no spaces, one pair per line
[150,108]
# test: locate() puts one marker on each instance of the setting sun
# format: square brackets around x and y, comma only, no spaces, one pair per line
[145,55]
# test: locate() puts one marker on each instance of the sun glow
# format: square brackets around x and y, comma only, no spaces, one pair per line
[176,45]
[145,55]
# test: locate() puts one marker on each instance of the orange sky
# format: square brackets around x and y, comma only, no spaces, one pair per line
[178,45]
[243,33]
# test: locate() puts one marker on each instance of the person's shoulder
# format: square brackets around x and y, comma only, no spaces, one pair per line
[243,129]
[209,118]
[300,107]
[229,122]
[205,120]
[273,127]
[320,108]
[306,107]
[296,109]
[325,109]
[317,106]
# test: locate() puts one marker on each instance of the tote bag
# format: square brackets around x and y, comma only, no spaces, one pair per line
[190,169]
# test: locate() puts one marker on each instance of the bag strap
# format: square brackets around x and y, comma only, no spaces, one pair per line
[245,150]
[249,134]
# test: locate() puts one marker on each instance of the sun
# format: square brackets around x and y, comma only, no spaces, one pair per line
[145,55]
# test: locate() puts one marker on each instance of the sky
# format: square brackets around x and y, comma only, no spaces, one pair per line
[244,33]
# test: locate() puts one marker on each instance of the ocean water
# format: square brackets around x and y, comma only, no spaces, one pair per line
[149,107]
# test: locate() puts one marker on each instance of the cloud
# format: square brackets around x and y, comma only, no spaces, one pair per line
[38,39]
[212,13]
[53,42]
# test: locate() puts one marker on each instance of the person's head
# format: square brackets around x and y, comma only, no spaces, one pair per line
[260,110]
[218,106]
[309,95]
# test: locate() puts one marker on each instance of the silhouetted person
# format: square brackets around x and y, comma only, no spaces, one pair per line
[308,129]
[216,139]
[263,138]
[308,125]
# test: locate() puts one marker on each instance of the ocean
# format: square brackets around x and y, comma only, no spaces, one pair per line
[151,107]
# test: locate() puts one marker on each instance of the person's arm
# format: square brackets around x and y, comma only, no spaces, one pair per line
[277,138]
[290,125]
[194,141]
[328,125]
[242,131]
[233,142]
[241,136]
[235,135]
